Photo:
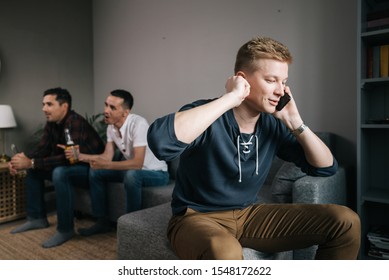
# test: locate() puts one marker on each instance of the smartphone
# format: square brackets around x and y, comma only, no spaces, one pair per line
[283,101]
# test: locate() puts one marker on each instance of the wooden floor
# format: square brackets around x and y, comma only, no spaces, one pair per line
[27,245]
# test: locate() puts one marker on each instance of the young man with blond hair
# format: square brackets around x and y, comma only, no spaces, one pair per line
[226,146]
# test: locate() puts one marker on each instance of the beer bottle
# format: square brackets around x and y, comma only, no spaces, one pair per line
[15,151]
[70,145]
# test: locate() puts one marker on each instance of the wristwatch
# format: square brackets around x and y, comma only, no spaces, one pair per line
[299,130]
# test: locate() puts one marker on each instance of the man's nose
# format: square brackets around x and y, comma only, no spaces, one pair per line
[280,88]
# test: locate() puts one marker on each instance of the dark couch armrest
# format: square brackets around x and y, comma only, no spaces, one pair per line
[321,190]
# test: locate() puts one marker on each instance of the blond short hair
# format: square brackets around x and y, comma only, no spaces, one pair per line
[257,48]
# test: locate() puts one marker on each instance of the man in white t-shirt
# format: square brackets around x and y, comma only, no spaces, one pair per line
[139,167]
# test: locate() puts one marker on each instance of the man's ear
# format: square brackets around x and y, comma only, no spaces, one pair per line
[241,73]
[66,105]
[126,112]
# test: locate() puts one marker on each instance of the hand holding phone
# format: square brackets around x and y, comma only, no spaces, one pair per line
[283,101]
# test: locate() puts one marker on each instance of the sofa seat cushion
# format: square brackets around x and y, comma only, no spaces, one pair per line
[116,193]
[282,185]
[142,236]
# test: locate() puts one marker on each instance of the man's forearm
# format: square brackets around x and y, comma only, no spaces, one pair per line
[316,152]
[190,124]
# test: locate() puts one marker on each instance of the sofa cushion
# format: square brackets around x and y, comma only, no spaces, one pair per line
[142,236]
[283,181]
[151,196]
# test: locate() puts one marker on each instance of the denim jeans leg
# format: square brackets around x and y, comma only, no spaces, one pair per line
[98,179]
[35,193]
[64,179]
[136,179]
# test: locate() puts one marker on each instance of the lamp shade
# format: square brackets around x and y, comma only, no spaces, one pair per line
[7,118]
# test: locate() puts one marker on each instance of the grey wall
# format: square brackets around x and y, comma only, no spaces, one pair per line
[44,44]
[171,52]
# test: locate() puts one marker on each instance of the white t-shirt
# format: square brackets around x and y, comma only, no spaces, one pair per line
[134,134]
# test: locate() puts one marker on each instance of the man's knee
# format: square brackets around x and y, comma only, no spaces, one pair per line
[214,248]
[197,236]
[343,227]
[355,223]
[348,220]
[224,247]
[59,174]
[346,215]
[130,178]
[98,178]
[94,173]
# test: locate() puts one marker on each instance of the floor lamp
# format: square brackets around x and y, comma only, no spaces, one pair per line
[7,120]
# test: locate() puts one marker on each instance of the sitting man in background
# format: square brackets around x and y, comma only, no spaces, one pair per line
[140,168]
[48,162]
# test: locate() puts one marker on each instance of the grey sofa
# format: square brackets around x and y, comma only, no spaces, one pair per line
[141,235]
[151,196]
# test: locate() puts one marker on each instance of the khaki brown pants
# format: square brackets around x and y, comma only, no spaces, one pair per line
[268,228]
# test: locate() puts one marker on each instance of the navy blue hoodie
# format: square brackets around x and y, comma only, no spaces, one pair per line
[224,169]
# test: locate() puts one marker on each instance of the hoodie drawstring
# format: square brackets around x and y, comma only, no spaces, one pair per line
[240,168]
[256,161]
[244,151]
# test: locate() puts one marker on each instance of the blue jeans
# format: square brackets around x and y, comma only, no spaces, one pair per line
[64,179]
[133,181]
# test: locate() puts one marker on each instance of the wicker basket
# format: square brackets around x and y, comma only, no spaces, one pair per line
[12,196]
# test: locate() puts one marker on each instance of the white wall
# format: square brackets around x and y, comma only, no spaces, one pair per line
[171,52]
[44,44]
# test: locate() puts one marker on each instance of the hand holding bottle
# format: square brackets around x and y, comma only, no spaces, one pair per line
[69,153]
[16,161]
[70,150]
